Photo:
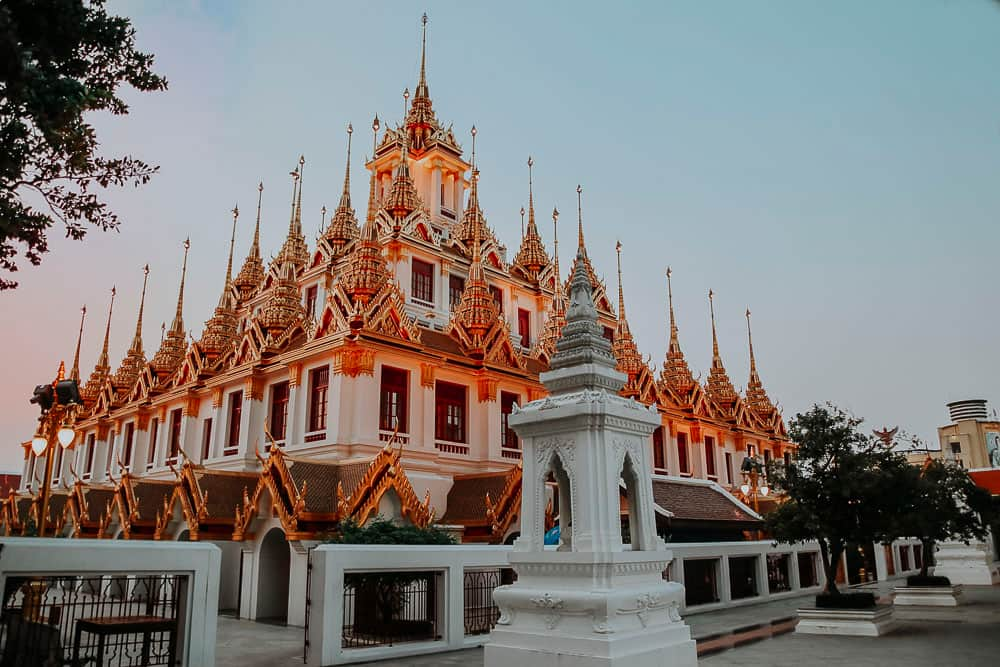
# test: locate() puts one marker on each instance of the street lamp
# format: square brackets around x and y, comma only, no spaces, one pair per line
[59,403]
[754,483]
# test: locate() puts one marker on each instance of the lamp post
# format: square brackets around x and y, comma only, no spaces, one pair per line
[754,481]
[59,402]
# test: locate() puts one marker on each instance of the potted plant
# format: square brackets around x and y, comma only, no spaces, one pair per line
[842,488]
[944,505]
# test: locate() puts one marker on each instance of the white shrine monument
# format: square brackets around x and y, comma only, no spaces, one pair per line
[593,601]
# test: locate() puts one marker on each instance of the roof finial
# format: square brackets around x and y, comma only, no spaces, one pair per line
[711,308]
[137,340]
[74,374]
[522,223]
[163,331]
[102,361]
[372,205]
[322,220]
[294,173]
[474,132]
[178,323]
[531,194]
[345,196]
[579,215]
[555,243]
[670,301]
[422,84]
[753,362]
[621,291]
[255,248]
[224,299]
[298,205]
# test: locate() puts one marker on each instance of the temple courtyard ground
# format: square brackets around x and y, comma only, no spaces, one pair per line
[968,635]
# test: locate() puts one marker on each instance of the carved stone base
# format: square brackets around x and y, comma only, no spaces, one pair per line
[591,610]
[848,622]
[928,596]
[970,564]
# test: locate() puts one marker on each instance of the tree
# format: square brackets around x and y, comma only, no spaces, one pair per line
[59,61]
[944,504]
[383,531]
[843,487]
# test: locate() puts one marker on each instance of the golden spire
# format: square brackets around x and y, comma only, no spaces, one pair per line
[294,249]
[367,272]
[171,352]
[719,388]
[420,123]
[102,368]
[531,257]
[102,361]
[757,397]
[422,83]
[629,361]
[344,223]
[372,203]
[676,373]
[557,315]
[252,274]
[473,222]
[220,330]
[135,358]
[75,372]
[477,311]
[581,248]
[403,198]
[284,305]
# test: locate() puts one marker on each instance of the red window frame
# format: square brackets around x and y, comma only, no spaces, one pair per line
[88,468]
[154,432]
[206,439]
[659,460]
[128,445]
[278,417]
[235,416]
[684,465]
[497,293]
[456,286]
[319,384]
[312,294]
[450,411]
[175,435]
[710,456]
[422,280]
[394,399]
[524,326]
[508,437]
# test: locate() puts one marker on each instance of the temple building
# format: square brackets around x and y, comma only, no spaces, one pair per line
[373,374]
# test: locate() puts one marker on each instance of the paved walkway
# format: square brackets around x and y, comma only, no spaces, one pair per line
[967,635]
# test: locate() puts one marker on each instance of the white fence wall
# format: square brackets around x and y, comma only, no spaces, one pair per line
[199,562]
[330,562]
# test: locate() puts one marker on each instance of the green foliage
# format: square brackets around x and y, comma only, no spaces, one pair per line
[844,486]
[61,60]
[943,504]
[383,531]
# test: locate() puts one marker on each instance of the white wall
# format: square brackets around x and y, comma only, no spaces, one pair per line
[199,561]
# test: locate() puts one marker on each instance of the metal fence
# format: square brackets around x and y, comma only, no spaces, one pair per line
[386,608]
[106,621]
[481,612]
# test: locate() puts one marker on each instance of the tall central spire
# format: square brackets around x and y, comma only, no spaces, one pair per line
[420,124]
[757,397]
[344,224]
[581,249]
[676,374]
[720,388]
[74,373]
[171,352]
[252,274]
[629,361]
[294,250]
[220,330]
[403,197]
[135,358]
[473,229]
[531,257]
[102,368]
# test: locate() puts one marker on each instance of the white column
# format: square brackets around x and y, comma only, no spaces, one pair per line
[435,198]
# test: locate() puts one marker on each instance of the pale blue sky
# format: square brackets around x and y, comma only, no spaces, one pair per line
[832,165]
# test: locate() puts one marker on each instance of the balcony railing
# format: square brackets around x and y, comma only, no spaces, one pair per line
[386,436]
[510,453]
[451,447]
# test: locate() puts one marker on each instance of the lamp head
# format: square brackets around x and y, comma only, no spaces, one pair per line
[764,490]
[38,445]
[745,488]
[66,435]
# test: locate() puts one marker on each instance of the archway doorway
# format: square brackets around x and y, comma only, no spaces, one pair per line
[272,577]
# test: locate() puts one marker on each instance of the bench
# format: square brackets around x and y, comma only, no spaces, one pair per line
[126,625]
